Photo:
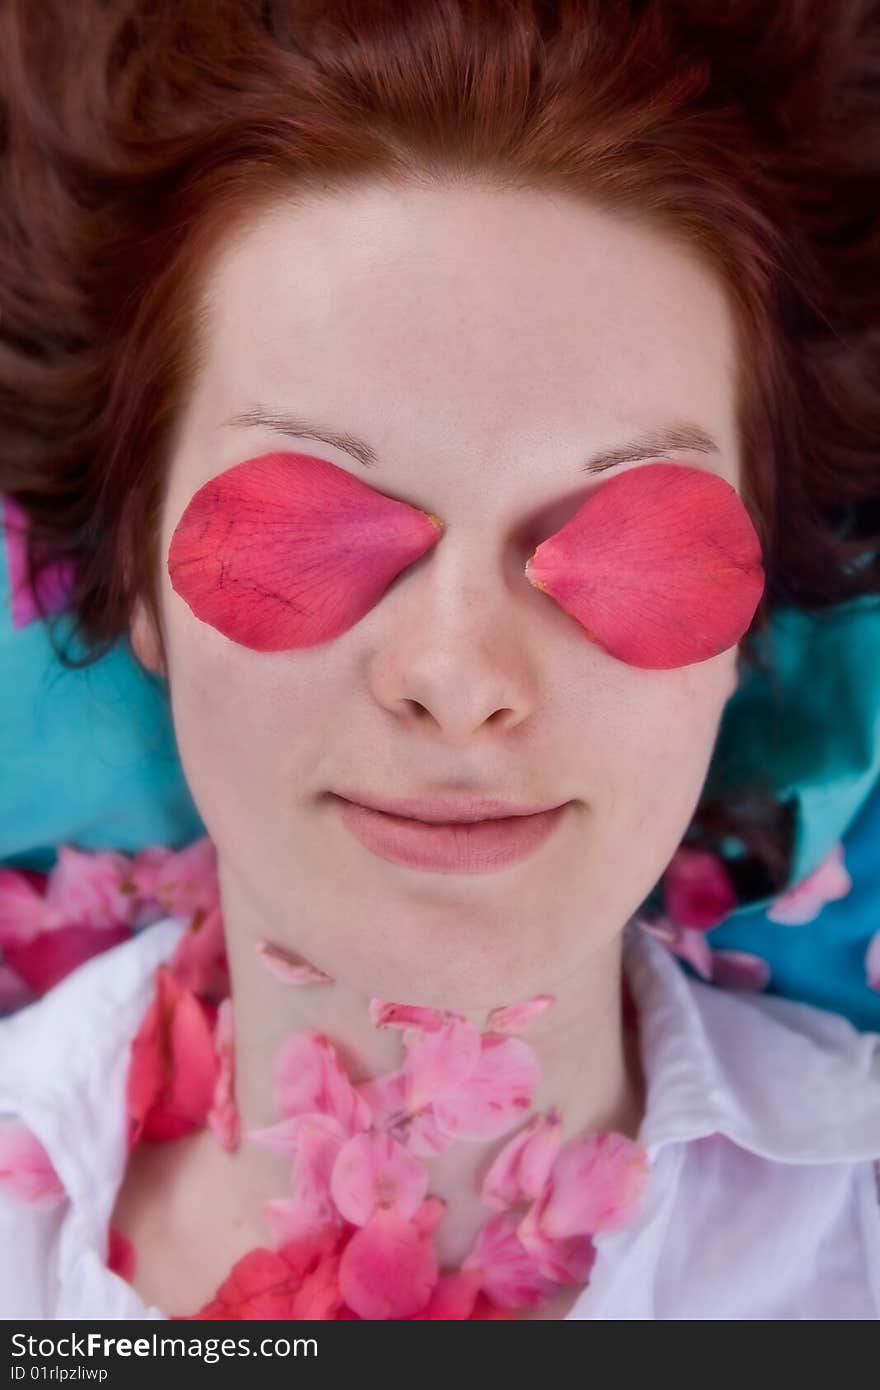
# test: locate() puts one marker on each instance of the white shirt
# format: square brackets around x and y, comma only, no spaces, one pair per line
[762,1126]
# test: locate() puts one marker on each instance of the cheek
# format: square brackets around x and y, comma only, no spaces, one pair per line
[656,747]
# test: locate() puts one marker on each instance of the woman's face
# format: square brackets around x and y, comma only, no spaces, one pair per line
[484,345]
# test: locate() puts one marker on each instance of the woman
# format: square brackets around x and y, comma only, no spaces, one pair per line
[358,308]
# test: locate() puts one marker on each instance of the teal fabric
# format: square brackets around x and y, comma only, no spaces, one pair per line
[89,759]
[823,961]
[812,726]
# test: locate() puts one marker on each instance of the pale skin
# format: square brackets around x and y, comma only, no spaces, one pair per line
[484,343]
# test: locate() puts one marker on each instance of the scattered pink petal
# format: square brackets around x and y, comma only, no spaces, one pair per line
[386,1097]
[14,993]
[388,1269]
[803,903]
[310,1208]
[520,1171]
[564,1259]
[384,1014]
[496,1093]
[52,955]
[173,1069]
[120,1255]
[22,909]
[298,1281]
[283,1138]
[54,581]
[872,962]
[691,945]
[513,1018]
[428,1216]
[424,1136]
[419,1132]
[222,1118]
[146,870]
[509,1274]
[26,1170]
[307,1076]
[439,1061]
[697,889]
[595,1184]
[739,970]
[453,1298]
[199,959]
[317,1295]
[373,1173]
[183,882]
[289,966]
[485,1309]
[90,889]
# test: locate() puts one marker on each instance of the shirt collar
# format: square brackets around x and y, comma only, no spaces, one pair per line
[65,1066]
[785,1080]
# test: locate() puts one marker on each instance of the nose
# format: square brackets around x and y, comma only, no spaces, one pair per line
[455,647]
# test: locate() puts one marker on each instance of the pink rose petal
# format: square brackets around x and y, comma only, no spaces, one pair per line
[91,889]
[565,1260]
[594,1185]
[438,1061]
[520,1171]
[496,1093]
[14,993]
[385,1014]
[739,970]
[54,582]
[289,966]
[690,945]
[120,1255]
[513,1018]
[388,1269]
[453,1298]
[697,889]
[199,959]
[420,1132]
[803,903]
[283,1138]
[146,870]
[185,881]
[22,910]
[373,1172]
[173,1067]
[222,1117]
[310,1209]
[26,1170]
[52,955]
[509,1274]
[307,1076]
[429,1215]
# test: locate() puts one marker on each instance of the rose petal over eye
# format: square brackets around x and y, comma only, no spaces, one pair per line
[661,566]
[288,550]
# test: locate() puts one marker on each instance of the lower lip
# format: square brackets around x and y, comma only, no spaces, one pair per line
[478,848]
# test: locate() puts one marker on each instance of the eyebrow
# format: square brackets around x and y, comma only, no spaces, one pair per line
[662,440]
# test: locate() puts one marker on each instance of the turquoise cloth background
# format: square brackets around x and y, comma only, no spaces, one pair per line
[89,758]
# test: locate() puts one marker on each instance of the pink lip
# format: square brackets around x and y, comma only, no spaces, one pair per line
[471,848]
[444,810]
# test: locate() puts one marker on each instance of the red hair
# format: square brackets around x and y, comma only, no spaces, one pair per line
[140,135]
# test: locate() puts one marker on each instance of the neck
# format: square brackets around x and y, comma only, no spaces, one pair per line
[588,1062]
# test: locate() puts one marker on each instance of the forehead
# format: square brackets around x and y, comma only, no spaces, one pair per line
[467,323]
